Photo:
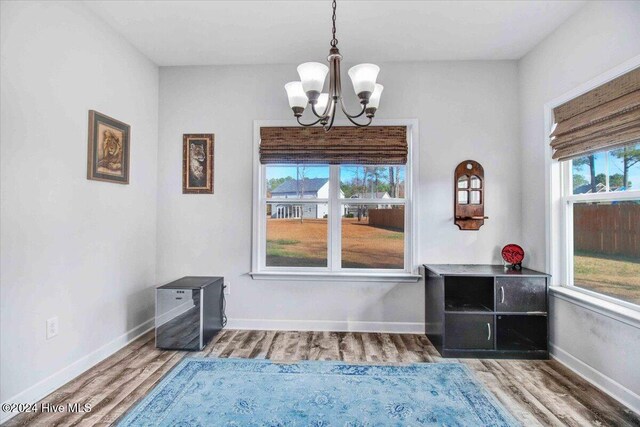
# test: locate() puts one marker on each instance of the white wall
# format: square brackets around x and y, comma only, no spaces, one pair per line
[466,110]
[80,250]
[599,37]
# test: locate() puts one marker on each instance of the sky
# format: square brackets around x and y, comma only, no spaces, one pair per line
[285,171]
[347,173]
[615,166]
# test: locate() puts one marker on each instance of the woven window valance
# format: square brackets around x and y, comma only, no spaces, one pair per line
[374,145]
[604,117]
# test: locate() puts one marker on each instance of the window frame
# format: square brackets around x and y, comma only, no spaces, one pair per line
[555,221]
[334,270]
[568,199]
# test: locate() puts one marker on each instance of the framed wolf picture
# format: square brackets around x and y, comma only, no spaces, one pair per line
[108,152]
[197,163]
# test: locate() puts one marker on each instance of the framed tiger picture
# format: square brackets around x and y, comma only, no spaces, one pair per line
[197,163]
[108,152]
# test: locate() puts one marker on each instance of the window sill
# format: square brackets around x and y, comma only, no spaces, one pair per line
[610,309]
[336,277]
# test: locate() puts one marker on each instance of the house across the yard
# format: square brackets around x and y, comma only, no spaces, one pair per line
[600,188]
[363,210]
[307,188]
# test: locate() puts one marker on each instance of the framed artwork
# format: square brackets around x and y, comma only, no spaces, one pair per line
[108,152]
[197,163]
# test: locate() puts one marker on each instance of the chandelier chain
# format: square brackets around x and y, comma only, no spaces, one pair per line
[334,40]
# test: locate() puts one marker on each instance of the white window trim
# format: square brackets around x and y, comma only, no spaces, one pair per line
[559,256]
[410,271]
[567,201]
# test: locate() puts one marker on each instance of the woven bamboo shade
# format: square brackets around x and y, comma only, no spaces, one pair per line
[604,117]
[373,145]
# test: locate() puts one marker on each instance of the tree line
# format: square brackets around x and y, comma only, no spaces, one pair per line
[630,156]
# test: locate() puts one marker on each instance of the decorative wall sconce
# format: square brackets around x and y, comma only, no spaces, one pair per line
[469,199]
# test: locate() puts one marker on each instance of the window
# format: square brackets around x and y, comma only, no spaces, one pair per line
[594,211]
[602,221]
[297,216]
[345,219]
[372,208]
[364,207]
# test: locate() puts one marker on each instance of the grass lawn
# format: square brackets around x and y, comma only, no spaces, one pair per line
[616,277]
[295,243]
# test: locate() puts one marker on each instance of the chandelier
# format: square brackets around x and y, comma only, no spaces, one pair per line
[323,105]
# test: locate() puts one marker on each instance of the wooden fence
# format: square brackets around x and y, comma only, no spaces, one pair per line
[387,218]
[608,229]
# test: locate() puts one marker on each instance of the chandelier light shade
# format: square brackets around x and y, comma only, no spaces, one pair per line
[312,75]
[374,101]
[309,90]
[323,101]
[364,77]
[297,97]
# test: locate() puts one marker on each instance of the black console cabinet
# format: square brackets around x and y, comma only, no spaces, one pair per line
[486,311]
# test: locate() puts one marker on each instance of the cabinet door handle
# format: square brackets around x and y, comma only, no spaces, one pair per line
[488,331]
[501,294]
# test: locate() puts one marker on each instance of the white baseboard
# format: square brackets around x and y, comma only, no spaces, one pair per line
[43,388]
[326,325]
[612,388]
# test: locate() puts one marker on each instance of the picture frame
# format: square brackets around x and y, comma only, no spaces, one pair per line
[108,149]
[197,163]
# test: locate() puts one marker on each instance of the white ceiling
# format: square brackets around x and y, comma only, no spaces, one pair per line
[271,32]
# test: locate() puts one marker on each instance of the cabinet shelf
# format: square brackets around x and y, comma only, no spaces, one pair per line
[521,332]
[469,294]
[454,306]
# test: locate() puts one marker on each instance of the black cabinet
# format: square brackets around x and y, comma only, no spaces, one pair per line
[486,311]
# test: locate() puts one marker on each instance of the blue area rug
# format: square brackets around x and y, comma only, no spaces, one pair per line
[245,392]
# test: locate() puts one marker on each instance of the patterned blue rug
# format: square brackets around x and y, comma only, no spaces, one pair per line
[245,392]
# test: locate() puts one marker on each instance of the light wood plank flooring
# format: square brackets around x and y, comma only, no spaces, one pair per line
[536,392]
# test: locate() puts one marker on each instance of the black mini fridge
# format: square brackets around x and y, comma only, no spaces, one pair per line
[189,312]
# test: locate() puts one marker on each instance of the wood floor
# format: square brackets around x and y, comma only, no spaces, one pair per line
[536,392]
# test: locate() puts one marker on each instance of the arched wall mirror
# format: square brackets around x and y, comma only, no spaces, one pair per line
[469,195]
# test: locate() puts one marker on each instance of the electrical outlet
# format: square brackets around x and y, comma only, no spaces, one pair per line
[52,327]
[227,288]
